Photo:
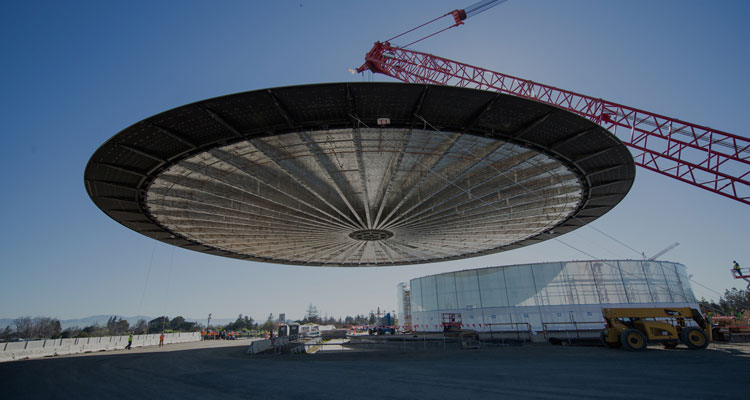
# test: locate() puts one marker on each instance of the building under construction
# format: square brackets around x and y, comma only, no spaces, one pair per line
[555,296]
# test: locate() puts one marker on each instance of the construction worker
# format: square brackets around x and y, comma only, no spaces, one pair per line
[736,268]
[161,340]
[130,341]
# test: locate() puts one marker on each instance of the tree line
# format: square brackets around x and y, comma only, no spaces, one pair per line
[28,328]
[313,316]
[733,301]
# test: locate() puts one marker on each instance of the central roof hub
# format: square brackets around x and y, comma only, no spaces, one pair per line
[371,234]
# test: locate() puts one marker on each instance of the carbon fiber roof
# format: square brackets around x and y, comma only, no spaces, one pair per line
[305,175]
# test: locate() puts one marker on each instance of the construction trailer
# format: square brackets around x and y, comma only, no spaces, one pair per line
[734,329]
[290,331]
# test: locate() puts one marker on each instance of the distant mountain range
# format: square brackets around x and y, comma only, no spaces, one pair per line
[102,320]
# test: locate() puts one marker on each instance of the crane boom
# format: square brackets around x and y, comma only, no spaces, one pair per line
[661,253]
[701,156]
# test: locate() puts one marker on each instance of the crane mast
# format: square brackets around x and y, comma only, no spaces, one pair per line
[698,155]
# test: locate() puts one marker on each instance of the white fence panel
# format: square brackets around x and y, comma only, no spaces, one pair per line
[52,347]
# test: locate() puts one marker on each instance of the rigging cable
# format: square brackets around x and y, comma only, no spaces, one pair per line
[475,9]
[644,277]
[458,15]
[169,281]
[148,274]
[466,151]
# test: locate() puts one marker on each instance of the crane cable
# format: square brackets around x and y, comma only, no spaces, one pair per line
[551,236]
[148,275]
[467,151]
[431,35]
[458,15]
[169,283]
[415,28]
[475,9]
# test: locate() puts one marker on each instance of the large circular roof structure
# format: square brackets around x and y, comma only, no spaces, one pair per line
[359,174]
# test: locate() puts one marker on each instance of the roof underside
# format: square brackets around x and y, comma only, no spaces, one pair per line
[306,175]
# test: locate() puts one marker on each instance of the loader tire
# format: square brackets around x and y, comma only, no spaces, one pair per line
[694,338]
[633,340]
[670,345]
[611,345]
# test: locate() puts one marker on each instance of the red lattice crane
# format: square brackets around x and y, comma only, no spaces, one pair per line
[708,158]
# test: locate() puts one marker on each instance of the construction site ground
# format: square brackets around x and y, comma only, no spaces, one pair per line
[222,369]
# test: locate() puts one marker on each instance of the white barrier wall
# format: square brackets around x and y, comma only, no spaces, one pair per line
[53,347]
[260,346]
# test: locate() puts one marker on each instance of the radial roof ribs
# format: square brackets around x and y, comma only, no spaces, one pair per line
[359,174]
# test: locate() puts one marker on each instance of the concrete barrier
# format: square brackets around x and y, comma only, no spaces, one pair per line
[54,347]
[259,346]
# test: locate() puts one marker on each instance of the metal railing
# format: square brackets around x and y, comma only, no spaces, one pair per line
[528,330]
[576,324]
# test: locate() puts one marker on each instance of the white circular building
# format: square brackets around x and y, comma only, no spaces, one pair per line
[551,296]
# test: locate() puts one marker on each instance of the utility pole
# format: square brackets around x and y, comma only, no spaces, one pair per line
[209,321]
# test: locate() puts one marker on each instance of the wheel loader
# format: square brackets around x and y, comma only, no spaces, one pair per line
[635,328]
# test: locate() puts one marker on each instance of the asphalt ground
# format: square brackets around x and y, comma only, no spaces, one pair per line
[221,369]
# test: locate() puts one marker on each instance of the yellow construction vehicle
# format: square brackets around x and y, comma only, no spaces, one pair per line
[634,328]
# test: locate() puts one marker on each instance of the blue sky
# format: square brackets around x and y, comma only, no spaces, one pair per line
[76,73]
